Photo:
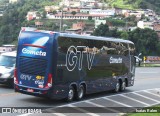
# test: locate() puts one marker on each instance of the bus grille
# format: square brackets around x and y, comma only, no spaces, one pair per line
[32,66]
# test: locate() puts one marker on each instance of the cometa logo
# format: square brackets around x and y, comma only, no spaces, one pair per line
[38,53]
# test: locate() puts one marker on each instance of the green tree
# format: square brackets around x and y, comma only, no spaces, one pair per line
[44,14]
[89,17]
[145,40]
[73,13]
[54,12]
[102,30]
[124,35]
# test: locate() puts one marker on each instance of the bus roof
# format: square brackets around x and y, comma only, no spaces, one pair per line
[79,36]
[95,38]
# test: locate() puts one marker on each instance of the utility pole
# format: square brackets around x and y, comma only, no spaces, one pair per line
[61,20]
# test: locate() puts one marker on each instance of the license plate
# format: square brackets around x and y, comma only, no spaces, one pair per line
[30,90]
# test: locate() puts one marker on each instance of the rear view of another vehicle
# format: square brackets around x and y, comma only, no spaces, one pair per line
[7,65]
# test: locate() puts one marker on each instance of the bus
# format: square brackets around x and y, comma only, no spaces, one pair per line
[68,66]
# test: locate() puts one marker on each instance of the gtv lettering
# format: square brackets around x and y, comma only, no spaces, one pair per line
[25,77]
[74,57]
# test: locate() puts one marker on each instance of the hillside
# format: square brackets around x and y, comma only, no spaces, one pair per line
[135,4]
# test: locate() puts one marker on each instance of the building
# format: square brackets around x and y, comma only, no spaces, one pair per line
[85,10]
[1,13]
[118,11]
[138,15]
[75,9]
[38,24]
[7,48]
[32,15]
[79,25]
[76,31]
[144,24]
[70,3]
[109,12]
[51,8]
[76,16]
[13,1]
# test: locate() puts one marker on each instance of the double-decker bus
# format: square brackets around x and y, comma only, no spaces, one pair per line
[60,65]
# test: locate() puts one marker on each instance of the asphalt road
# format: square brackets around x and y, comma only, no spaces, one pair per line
[146,79]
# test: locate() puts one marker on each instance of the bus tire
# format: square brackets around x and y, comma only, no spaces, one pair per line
[71,94]
[80,93]
[117,88]
[123,86]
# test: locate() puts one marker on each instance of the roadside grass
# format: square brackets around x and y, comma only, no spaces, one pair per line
[155,108]
[150,65]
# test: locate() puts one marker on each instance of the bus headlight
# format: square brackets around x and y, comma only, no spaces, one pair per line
[6,75]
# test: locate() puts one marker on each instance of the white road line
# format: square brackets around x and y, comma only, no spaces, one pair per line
[158,89]
[151,93]
[146,97]
[59,114]
[82,110]
[25,114]
[106,96]
[117,102]
[115,111]
[135,100]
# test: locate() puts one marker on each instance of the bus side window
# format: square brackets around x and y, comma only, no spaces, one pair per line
[132,49]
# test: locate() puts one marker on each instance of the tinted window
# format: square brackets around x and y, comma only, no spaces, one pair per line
[104,47]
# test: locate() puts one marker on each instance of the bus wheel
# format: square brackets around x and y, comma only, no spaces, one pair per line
[123,86]
[80,93]
[71,94]
[117,88]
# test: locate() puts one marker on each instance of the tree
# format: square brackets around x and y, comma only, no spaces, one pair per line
[124,35]
[145,41]
[90,18]
[54,12]
[102,30]
[73,13]
[44,14]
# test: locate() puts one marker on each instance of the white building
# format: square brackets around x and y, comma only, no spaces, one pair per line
[143,24]
[109,12]
[70,3]
[76,16]
[32,15]
[13,1]
[98,22]
[1,13]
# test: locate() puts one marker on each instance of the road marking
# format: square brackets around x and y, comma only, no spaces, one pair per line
[151,93]
[135,100]
[158,89]
[117,102]
[25,114]
[146,97]
[103,107]
[59,114]
[107,96]
[82,110]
